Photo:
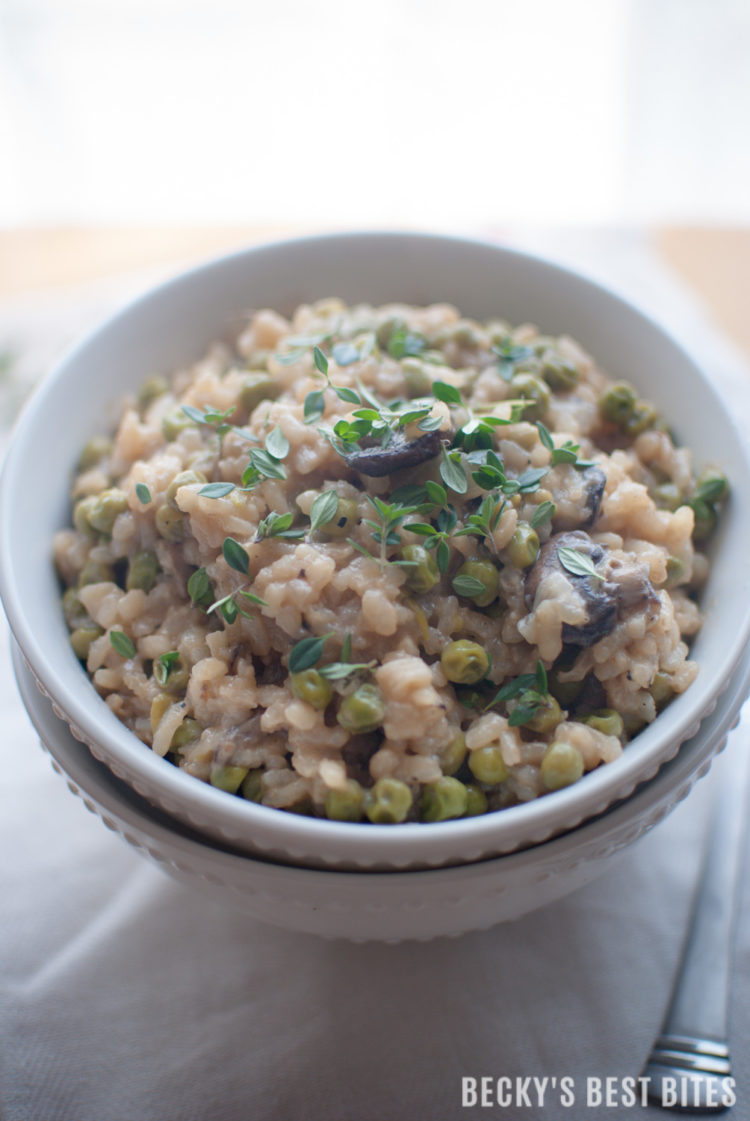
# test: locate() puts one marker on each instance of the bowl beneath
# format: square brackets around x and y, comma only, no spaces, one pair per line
[172,325]
[382,906]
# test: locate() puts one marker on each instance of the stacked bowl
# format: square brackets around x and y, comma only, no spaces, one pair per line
[337,878]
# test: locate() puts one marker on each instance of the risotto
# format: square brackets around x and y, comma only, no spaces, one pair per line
[387,564]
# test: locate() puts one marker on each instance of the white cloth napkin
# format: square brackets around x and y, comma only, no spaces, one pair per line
[126,996]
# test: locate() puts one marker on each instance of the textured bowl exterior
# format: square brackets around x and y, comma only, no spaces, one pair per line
[383,906]
[172,325]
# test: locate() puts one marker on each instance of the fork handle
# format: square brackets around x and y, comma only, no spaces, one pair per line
[700,999]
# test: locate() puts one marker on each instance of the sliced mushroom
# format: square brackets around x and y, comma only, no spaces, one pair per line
[397,454]
[619,588]
[584,490]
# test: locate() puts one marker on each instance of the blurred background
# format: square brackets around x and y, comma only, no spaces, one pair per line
[140,134]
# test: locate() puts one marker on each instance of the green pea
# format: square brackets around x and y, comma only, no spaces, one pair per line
[705,519]
[487,765]
[81,515]
[96,572]
[557,371]
[227,777]
[82,637]
[183,479]
[363,710]
[422,574]
[343,521]
[667,496]
[188,732]
[388,802]
[476,800]
[346,804]
[529,387]
[75,613]
[712,486]
[661,690]
[546,718]
[464,662]
[605,720]
[310,686]
[617,404]
[418,377]
[170,524]
[486,573]
[174,423]
[562,765]
[97,449]
[143,568]
[523,547]
[453,755]
[643,417]
[465,333]
[106,509]
[252,785]
[177,678]
[443,799]
[258,386]
[387,328]
[150,390]
[676,572]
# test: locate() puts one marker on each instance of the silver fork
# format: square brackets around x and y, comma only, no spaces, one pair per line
[690,1063]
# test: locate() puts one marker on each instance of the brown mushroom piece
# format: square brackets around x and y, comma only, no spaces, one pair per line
[620,587]
[584,493]
[398,453]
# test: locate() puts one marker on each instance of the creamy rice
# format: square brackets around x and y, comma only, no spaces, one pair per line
[495,548]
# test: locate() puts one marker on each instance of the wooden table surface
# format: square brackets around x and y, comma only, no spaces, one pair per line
[715,262]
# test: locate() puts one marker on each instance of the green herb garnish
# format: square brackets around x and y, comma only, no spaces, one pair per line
[277,444]
[235,556]
[278,525]
[530,691]
[200,589]
[468,586]
[143,493]
[543,513]
[323,509]
[306,653]
[120,642]
[576,562]
[216,490]
[448,394]
[164,665]
[452,472]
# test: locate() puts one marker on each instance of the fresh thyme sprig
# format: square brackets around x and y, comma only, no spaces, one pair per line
[308,651]
[484,522]
[213,418]
[385,531]
[509,354]
[278,525]
[530,691]
[567,453]
[164,665]
[577,563]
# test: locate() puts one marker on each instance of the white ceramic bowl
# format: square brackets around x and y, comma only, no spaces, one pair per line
[172,325]
[388,906]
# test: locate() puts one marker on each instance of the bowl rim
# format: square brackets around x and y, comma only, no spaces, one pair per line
[696,761]
[267,827]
